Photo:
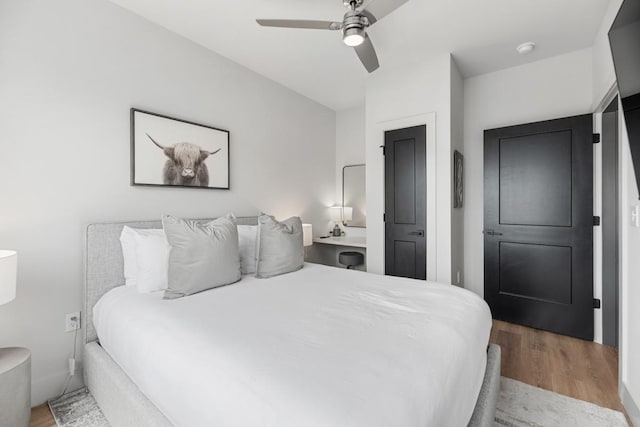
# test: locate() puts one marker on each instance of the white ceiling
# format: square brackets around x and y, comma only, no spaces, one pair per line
[481,34]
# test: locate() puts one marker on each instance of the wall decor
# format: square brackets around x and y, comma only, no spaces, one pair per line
[171,152]
[458,179]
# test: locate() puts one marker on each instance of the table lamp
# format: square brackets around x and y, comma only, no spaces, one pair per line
[307,234]
[15,363]
[335,214]
[307,238]
[8,274]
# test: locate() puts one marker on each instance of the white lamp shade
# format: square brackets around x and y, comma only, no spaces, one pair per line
[307,234]
[8,274]
[335,213]
[347,214]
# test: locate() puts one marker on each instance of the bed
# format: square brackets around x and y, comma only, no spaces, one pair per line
[318,347]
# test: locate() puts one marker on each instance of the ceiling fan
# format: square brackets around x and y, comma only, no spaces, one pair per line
[354,26]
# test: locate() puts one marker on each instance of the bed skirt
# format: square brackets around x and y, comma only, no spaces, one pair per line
[124,405]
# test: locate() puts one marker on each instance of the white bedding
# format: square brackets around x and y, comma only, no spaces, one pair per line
[319,347]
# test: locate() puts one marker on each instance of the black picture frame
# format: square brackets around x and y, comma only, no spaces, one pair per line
[150,172]
[458,179]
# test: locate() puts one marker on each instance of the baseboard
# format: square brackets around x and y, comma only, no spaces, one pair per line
[630,406]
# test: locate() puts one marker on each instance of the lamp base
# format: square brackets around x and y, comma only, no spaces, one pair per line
[15,387]
[337,232]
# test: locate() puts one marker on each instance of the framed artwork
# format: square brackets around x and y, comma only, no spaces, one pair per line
[169,152]
[458,179]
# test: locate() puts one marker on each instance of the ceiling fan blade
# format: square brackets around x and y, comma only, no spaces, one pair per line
[298,23]
[367,55]
[375,10]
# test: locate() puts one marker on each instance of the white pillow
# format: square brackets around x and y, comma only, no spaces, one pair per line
[146,258]
[247,236]
[129,255]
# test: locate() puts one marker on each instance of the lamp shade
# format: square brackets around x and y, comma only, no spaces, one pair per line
[307,234]
[8,274]
[335,213]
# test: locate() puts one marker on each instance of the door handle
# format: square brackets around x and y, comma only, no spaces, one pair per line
[491,233]
[417,233]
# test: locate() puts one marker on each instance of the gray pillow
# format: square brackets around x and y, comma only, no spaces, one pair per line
[279,246]
[202,255]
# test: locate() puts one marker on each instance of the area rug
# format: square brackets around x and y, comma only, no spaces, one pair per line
[77,409]
[523,405]
[519,405]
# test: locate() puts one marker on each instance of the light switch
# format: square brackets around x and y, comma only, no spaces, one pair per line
[635,215]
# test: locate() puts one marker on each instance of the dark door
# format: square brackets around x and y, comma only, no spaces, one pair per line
[610,225]
[538,225]
[405,202]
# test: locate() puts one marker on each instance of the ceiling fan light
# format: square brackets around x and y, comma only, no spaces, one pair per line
[353,37]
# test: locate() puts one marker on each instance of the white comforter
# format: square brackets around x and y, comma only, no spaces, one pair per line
[319,347]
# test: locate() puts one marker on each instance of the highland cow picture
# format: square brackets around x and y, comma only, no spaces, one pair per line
[177,153]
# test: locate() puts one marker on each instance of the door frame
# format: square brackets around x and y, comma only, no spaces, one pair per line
[598,110]
[610,291]
[623,226]
[375,196]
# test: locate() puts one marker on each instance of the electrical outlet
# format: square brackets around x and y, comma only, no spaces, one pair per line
[72,322]
[635,216]
[457,278]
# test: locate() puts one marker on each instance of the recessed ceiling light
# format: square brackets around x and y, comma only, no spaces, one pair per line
[526,48]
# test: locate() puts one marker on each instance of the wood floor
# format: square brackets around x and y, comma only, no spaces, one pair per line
[569,366]
[41,417]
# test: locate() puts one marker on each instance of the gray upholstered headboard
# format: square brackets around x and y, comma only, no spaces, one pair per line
[104,268]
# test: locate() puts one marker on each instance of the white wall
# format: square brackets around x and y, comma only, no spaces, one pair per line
[629,351]
[71,69]
[350,142]
[398,98]
[552,88]
[457,143]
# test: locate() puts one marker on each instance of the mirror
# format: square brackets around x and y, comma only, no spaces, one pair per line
[354,194]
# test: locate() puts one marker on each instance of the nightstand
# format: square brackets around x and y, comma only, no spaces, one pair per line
[15,387]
